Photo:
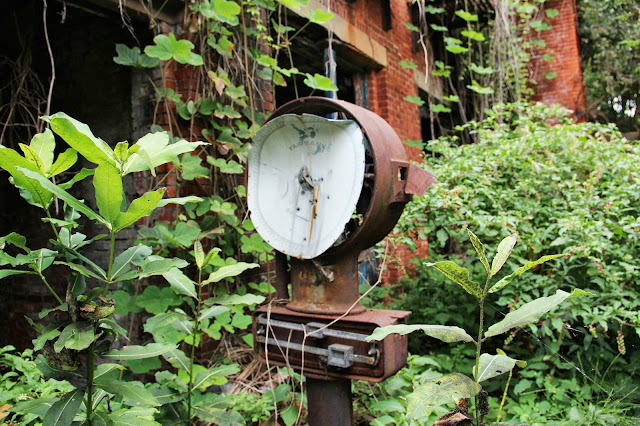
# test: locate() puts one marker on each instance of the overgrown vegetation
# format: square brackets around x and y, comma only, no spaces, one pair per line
[565,188]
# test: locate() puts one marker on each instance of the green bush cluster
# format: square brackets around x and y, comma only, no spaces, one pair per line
[564,187]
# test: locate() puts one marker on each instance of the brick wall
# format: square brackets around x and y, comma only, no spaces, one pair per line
[567,88]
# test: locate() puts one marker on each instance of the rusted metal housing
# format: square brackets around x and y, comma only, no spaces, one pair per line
[390,180]
[390,355]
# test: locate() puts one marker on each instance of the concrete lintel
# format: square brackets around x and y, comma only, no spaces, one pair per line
[348,33]
[432,85]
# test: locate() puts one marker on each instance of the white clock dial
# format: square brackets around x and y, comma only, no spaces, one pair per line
[305,178]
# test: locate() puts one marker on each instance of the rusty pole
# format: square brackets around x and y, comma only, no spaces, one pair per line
[329,402]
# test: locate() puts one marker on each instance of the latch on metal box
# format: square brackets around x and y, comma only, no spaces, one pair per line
[336,351]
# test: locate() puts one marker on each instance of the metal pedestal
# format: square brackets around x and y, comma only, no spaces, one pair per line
[329,402]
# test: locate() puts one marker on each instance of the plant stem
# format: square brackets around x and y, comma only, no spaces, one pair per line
[193,346]
[90,382]
[111,250]
[480,332]
[504,396]
[44,280]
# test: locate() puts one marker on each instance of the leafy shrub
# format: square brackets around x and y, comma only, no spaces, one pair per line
[564,187]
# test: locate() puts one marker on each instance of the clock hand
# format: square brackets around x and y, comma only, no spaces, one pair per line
[316,191]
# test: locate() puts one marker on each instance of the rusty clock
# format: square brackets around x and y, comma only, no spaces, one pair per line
[320,190]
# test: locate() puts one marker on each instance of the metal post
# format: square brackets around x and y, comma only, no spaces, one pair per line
[329,402]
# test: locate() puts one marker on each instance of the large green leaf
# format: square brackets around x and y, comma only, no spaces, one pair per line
[477,244]
[459,276]
[8,272]
[447,334]
[156,148]
[13,162]
[532,311]
[168,47]
[38,406]
[447,389]
[214,376]
[236,299]
[79,137]
[43,144]
[108,185]
[213,311]
[139,352]
[135,391]
[506,280]
[76,336]
[178,359]
[64,162]
[135,254]
[504,251]
[64,411]
[65,196]
[180,282]
[229,271]
[493,365]
[139,208]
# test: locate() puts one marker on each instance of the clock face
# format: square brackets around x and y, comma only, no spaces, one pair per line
[305,177]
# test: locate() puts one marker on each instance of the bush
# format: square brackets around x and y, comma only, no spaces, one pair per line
[564,187]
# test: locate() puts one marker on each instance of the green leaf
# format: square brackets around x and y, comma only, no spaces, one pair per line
[548,57]
[225,166]
[493,365]
[480,70]
[476,87]
[157,300]
[436,27]
[236,299]
[79,137]
[458,275]
[177,359]
[229,271]
[84,173]
[532,311]
[447,334]
[320,82]
[64,162]
[139,352]
[411,27]
[43,144]
[179,200]
[540,26]
[504,251]
[477,244]
[407,64]
[469,17]
[135,255]
[65,196]
[550,75]
[103,371]
[180,282]
[8,272]
[131,56]
[157,150]
[167,48]
[198,252]
[437,108]
[108,189]
[214,376]
[453,98]
[76,336]
[13,162]
[506,280]
[414,100]
[135,391]
[38,406]
[473,35]
[319,16]
[448,389]
[213,311]
[64,411]
[551,13]
[139,208]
